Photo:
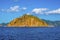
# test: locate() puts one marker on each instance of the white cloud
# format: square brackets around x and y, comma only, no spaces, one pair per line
[24,8]
[39,10]
[57,11]
[28,13]
[46,11]
[17,8]
[14,9]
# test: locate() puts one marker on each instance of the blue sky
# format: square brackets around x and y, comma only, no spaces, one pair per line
[44,9]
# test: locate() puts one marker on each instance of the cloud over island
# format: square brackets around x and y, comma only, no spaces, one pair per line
[17,8]
[45,11]
[56,11]
[39,10]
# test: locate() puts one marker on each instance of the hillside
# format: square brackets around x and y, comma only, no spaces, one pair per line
[54,23]
[27,21]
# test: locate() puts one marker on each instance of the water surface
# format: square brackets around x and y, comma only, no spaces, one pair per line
[17,33]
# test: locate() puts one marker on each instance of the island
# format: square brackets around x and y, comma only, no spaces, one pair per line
[27,21]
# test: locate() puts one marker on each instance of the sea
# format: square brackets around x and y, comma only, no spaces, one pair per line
[32,33]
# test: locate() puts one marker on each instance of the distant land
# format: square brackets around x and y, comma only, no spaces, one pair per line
[30,21]
[52,23]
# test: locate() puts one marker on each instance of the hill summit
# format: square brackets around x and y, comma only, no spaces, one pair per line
[27,21]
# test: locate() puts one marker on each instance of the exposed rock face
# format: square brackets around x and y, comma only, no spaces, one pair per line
[27,21]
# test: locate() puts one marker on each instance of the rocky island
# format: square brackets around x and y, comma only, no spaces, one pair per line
[27,21]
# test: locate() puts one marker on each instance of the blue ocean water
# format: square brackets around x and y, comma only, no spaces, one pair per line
[17,33]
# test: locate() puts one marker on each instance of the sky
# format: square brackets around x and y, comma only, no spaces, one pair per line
[44,9]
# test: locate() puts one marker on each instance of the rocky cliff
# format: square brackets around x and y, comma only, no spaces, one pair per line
[27,21]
